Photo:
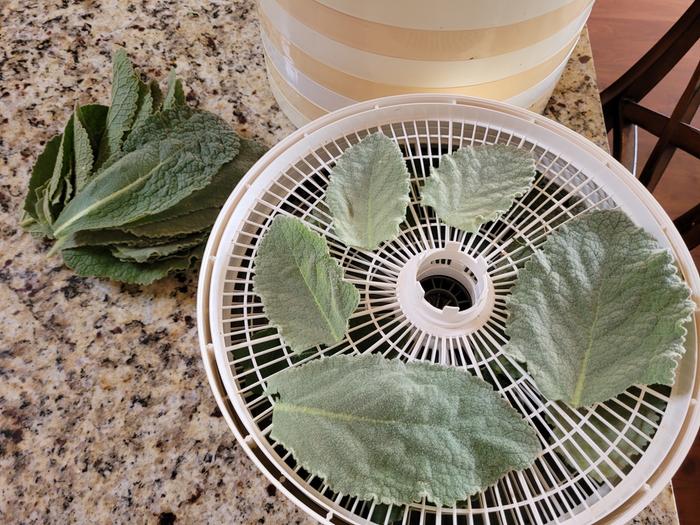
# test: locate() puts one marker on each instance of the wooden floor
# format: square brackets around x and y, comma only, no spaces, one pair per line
[622,31]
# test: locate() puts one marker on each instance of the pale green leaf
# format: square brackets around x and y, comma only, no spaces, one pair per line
[91,261]
[301,286]
[368,192]
[598,308]
[125,97]
[477,184]
[186,151]
[67,187]
[391,432]
[39,202]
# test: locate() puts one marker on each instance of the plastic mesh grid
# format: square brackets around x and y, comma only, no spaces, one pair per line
[587,452]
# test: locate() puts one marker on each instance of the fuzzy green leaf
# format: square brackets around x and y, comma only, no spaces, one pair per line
[156,95]
[99,262]
[477,184]
[125,97]
[598,308]
[41,173]
[82,148]
[391,432]
[301,286]
[93,117]
[368,192]
[208,133]
[56,192]
[212,197]
[187,150]
[177,224]
[175,96]
[153,251]
[144,108]
[103,238]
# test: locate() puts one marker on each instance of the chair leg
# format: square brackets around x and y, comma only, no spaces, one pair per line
[688,226]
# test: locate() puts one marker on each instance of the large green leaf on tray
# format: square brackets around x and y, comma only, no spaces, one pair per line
[301,286]
[383,430]
[368,192]
[477,184]
[598,308]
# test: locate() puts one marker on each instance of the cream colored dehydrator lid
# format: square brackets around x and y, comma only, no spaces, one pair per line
[584,474]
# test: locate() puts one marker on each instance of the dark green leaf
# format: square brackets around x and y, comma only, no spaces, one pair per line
[156,95]
[99,262]
[145,105]
[184,152]
[154,252]
[93,117]
[41,173]
[175,95]
[179,224]
[101,238]
[125,96]
[62,170]
[82,150]
[215,194]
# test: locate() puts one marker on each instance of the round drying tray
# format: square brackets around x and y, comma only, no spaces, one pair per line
[600,463]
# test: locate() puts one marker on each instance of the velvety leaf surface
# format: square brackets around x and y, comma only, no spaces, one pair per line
[175,96]
[82,151]
[99,262]
[125,97]
[41,173]
[477,184]
[144,108]
[392,432]
[368,192]
[301,286]
[178,161]
[215,194]
[153,252]
[599,308]
[178,224]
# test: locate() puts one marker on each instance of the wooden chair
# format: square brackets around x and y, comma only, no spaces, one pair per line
[623,112]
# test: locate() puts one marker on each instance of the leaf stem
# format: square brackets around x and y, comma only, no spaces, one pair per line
[60,241]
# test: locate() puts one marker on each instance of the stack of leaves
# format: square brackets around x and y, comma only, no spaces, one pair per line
[130,191]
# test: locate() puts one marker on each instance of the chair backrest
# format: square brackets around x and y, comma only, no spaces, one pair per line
[622,110]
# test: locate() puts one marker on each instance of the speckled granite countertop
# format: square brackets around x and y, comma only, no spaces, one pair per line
[105,411]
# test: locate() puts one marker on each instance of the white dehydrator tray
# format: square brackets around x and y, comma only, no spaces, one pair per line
[603,463]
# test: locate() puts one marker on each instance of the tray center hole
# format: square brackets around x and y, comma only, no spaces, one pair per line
[443,290]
